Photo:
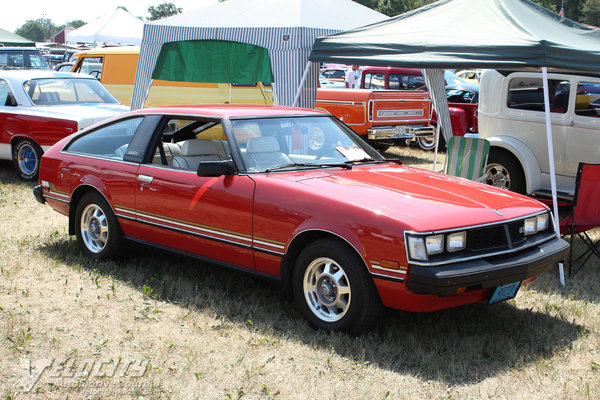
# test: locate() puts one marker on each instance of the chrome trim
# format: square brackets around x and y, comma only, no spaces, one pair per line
[387,277]
[277,246]
[398,271]
[552,234]
[49,196]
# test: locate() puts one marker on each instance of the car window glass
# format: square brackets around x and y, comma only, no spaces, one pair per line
[67,91]
[184,143]
[6,96]
[587,102]
[374,80]
[459,96]
[91,66]
[110,141]
[407,81]
[527,93]
[275,142]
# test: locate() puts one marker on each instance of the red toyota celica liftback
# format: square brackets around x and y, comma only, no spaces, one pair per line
[294,195]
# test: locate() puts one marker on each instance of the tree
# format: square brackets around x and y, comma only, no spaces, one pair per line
[40,30]
[162,10]
[591,12]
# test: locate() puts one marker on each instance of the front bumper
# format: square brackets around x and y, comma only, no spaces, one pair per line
[399,132]
[37,193]
[445,280]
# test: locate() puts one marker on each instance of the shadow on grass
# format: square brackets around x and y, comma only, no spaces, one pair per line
[8,175]
[459,346]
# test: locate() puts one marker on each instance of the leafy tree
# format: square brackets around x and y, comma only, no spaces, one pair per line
[162,10]
[40,30]
[591,12]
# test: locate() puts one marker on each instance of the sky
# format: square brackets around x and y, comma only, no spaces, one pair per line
[16,12]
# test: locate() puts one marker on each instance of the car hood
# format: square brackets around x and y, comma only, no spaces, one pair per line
[422,199]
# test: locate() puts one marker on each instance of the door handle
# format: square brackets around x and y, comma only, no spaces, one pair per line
[145,178]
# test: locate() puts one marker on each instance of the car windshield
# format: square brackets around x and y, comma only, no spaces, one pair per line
[67,91]
[17,59]
[271,144]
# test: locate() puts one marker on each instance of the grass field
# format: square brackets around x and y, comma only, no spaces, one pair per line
[157,325]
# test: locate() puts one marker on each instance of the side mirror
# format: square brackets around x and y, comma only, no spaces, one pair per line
[216,168]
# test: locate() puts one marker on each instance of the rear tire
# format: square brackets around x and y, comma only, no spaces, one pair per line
[503,170]
[332,288]
[98,232]
[27,157]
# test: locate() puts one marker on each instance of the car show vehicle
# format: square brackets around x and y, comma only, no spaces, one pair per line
[22,58]
[511,117]
[462,105]
[38,108]
[295,195]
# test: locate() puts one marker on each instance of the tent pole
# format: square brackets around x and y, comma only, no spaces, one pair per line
[301,83]
[551,163]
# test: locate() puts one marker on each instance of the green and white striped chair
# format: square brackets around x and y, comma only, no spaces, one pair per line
[466,157]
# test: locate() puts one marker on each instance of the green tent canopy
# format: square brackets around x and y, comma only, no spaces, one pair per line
[214,61]
[12,39]
[498,34]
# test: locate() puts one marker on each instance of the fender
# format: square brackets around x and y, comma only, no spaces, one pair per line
[530,165]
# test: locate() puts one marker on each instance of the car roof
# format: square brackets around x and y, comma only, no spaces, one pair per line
[27,74]
[20,48]
[474,87]
[409,71]
[232,110]
[111,50]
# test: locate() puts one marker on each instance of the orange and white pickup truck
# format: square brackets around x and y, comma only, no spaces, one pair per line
[383,118]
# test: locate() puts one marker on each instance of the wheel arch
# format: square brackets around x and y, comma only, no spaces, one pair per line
[76,197]
[529,164]
[298,243]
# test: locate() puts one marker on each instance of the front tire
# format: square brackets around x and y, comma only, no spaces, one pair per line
[27,156]
[332,288]
[96,227]
[503,170]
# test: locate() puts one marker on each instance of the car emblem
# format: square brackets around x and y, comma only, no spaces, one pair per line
[498,212]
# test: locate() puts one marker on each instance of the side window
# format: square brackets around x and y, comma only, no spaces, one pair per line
[375,81]
[6,96]
[407,82]
[184,143]
[91,66]
[110,141]
[527,93]
[587,102]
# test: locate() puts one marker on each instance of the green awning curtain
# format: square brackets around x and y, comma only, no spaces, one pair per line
[213,61]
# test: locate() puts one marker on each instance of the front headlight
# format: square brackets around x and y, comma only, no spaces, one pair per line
[536,224]
[434,244]
[456,241]
[416,248]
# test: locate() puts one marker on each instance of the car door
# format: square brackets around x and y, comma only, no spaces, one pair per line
[210,217]
[583,144]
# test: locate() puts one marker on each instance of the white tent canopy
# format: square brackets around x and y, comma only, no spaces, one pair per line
[118,27]
[287,29]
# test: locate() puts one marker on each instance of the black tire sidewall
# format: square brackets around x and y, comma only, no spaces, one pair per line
[364,299]
[512,165]
[114,230]
[38,154]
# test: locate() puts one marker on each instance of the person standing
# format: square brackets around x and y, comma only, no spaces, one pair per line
[353,78]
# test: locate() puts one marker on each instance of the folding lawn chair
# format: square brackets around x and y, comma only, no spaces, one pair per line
[466,157]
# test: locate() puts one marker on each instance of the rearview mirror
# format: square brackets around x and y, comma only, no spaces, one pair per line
[216,168]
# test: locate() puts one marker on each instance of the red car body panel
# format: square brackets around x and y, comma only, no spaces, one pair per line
[45,131]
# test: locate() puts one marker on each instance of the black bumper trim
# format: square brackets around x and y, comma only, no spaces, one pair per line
[445,280]
[37,193]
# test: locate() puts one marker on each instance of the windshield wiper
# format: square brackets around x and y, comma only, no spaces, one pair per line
[345,165]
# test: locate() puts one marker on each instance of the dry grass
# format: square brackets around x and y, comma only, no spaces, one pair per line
[211,333]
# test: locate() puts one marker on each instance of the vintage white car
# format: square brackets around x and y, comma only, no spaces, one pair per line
[38,108]
[511,117]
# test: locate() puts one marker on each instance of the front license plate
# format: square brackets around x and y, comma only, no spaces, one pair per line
[505,292]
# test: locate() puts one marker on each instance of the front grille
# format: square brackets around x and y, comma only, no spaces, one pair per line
[483,239]
[491,240]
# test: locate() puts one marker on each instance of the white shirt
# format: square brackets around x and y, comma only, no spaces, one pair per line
[353,79]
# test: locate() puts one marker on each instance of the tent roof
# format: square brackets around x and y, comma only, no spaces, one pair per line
[12,39]
[508,34]
[116,27]
[330,14]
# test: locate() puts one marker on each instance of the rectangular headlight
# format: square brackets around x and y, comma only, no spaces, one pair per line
[456,241]
[416,248]
[542,221]
[530,226]
[434,244]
